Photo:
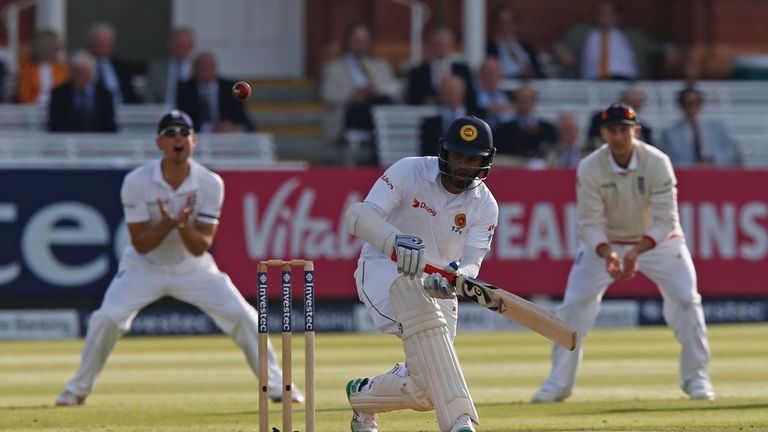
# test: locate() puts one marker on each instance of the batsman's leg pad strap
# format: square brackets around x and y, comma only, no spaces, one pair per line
[429,352]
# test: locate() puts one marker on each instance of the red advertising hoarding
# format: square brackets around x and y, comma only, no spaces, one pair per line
[299,214]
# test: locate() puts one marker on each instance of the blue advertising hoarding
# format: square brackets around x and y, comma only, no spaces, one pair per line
[60,232]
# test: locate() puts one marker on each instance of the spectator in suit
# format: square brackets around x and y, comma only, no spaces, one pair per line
[207,98]
[164,75]
[494,105]
[517,58]
[527,136]
[694,141]
[452,106]
[116,74]
[608,50]
[81,104]
[42,70]
[424,80]
[356,82]
[635,98]
[569,149]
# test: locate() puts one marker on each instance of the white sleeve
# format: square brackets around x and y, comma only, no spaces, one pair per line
[211,198]
[471,259]
[480,234]
[590,209]
[134,205]
[663,190]
[389,189]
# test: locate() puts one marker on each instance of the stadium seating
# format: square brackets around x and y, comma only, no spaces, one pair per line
[741,104]
[128,149]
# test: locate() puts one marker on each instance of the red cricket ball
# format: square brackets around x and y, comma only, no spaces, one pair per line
[241,90]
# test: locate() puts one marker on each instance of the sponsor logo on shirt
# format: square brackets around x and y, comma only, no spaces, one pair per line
[387,181]
[641,185]
[422,205]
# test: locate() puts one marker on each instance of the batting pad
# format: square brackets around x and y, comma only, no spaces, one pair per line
[429,352]
[390,391]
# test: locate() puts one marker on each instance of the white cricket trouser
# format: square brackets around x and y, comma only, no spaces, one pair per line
[670,267]
[138,284]
[374,278]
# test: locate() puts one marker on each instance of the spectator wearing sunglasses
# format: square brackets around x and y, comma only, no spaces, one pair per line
[172,207]
[81,104]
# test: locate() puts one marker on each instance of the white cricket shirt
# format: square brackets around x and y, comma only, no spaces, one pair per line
[624,205]
[415,202]
[145,184]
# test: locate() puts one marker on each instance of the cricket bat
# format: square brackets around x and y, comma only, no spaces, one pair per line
[511,306]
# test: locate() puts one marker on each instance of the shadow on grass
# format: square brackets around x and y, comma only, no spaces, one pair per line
[278,409]
[29,407]
[697,407]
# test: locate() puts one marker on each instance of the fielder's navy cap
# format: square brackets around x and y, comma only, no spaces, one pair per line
[175,117]
[618,113]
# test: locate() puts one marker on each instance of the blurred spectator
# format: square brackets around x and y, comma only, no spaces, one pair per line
[207,98]
[452,92]
[356,82]
[81,104]
[518,59]
[695,141]
[608,50]
[494,105]
[164,75]
[635,98]
[116,74]
[569,149]
[42,70]
[527,136]
[424,80]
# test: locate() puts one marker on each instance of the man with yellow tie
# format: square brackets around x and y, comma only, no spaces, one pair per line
[607,50]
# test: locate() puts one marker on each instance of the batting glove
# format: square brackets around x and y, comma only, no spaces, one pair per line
[438,287]
[411,257]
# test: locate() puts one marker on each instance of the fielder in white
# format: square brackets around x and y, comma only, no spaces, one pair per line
[436,207]
[172,209]
[628,222]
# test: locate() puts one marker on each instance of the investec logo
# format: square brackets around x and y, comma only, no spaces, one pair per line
[309,302]
[421,204]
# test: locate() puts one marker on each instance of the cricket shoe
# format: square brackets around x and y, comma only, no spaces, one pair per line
[463,424]
[276,394]
[548,396]
[67,398]
[702,394]
[361,422]
[701,391]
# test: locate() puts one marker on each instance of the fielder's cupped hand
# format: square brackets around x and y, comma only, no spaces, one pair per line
[630,265]
[411,257]
[166,220]
[613,265]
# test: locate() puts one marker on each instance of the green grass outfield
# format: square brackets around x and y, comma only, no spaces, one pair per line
[629,383]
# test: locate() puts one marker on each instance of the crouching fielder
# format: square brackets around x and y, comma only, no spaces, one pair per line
[628,222]
[436,207]
[172,208]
